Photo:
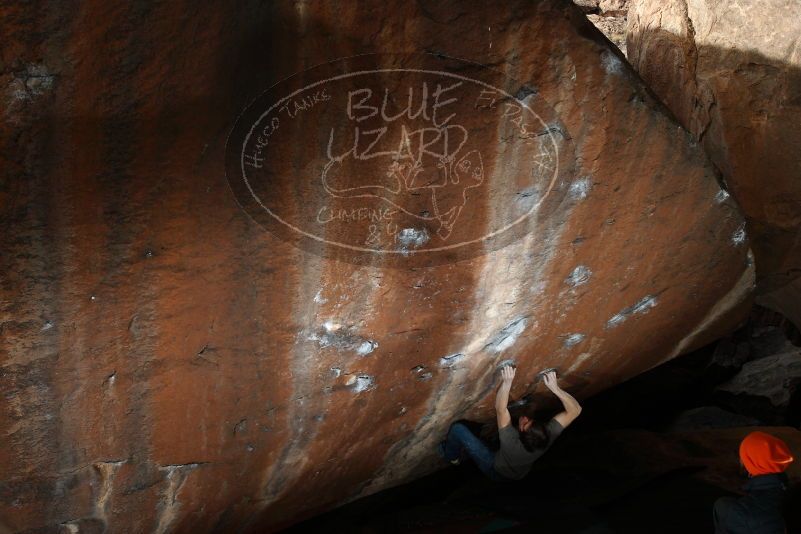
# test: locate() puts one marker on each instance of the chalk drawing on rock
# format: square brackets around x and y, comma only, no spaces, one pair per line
[443,180]
[396,160]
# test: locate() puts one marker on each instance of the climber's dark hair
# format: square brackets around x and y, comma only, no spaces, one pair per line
[536,437]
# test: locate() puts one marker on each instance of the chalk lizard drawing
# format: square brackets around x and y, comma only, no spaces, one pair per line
[414,169]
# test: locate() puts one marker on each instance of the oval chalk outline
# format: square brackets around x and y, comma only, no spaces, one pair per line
[376,71]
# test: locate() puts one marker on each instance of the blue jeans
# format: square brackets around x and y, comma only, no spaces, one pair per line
[461,441]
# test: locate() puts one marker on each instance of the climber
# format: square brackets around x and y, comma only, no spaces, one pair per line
[519,447]
[765,457]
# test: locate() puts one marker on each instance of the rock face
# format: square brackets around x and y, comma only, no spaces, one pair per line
[185,348]
[609,16]
[730,70]
[774,377]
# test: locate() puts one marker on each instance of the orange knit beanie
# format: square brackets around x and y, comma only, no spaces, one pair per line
[763,454]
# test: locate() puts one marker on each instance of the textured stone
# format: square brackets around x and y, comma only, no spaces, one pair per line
[707,417]
[614,7]
[167,364]
[773,377]
[730,354]
[609,16]
[730,71]
[613,27]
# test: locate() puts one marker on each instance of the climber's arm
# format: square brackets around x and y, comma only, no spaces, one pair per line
[571,405]
[502,398]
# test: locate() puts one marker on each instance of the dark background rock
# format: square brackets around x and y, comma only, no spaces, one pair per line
[774,377]
[708,417]
[731,354]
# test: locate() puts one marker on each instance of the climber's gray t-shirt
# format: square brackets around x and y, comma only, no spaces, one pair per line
[513,460]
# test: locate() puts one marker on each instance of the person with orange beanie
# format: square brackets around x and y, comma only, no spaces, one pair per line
[765,457]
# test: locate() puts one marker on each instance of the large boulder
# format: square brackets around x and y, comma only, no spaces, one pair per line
[730,71]
[197,338]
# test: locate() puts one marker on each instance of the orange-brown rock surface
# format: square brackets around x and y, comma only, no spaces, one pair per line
[730,70]
[191,342]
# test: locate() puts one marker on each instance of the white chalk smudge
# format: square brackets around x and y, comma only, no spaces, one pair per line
[336,371]
[642,306]
[451,360]
[538,288]
[343,339]
[580,189]
[411,238]
[580,359]
[611,63]
[507,336]
[361,383]
[721,196]
[738,237]
[366,347]
[526,199]
[424,375]
[615,320]
[573,340]
[579,276]
[318,298]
